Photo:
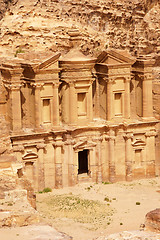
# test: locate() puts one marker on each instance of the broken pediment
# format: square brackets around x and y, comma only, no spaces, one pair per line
[113,57]
[84,145]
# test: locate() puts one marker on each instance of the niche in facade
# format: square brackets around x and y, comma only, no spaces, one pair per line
[46,114]
[82,106]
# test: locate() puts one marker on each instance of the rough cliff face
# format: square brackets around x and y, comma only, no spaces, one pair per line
[43,25]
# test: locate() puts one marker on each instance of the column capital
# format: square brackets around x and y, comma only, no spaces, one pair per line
[110,80]
[37,85]
[40,146]
[56,84]
[151,134]
[18,148]
[128,135]
[14,86]
[72,83]
[147,77]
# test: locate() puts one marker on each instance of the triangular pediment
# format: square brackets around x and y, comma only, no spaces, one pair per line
[49,63]
[114,57]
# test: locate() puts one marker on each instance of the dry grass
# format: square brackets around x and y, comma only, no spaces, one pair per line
[95,213]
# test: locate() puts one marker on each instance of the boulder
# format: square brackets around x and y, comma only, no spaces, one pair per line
[152,220]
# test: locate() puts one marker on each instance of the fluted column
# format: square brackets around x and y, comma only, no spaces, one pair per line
[127,98]
[112,173]
[128,155]
[41,171]
[55,105]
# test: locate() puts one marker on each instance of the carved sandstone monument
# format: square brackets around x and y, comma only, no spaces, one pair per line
[77,118]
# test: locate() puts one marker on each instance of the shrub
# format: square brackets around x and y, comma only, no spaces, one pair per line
[45,190]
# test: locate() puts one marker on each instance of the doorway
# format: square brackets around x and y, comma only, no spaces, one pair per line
[83,161]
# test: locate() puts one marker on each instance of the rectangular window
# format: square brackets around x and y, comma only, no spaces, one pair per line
[81,99]
[46,111]
[118,104]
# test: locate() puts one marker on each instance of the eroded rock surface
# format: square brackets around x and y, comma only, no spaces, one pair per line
[131,235]
[152,220]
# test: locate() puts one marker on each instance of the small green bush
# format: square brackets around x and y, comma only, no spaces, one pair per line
[138,203]
[106,183]
[45,190]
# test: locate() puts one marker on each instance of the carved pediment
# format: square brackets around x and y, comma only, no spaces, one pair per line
[50,63]
[138,142]
[84,145]
[115,57]
[30,156]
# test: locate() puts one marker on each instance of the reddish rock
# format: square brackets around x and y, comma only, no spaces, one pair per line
[152,220]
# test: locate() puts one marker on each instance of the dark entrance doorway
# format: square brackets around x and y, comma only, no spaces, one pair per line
[83,162]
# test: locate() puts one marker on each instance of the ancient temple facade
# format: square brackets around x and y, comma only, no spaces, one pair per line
[75,118]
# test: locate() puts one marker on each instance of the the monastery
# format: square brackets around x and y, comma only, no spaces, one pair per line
[75,118]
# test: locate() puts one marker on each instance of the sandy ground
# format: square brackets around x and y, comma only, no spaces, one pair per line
[130,201]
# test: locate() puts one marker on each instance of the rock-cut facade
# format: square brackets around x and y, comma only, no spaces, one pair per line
[73,118]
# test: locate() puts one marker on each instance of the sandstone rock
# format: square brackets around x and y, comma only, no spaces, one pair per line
[131,235]
[152,220]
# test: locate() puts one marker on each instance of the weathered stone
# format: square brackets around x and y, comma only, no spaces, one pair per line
[152,220]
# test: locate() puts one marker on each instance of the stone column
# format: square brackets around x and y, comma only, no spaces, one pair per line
[147,97]
[109,100]
[112,174]
[128,155]
[72,179]
[97,101]
[99,157]
[16,107]
[90,104]
[150,153]
[41,171]
[55,105]
[58,162]
[72,104]
[127,98]
[37,105]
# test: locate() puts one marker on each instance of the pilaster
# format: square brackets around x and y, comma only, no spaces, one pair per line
[41,171]
[58,161]
[109,99]
[72,104]
[128,155]
[150,153]
[111,157]
[127,98]
[55,105]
